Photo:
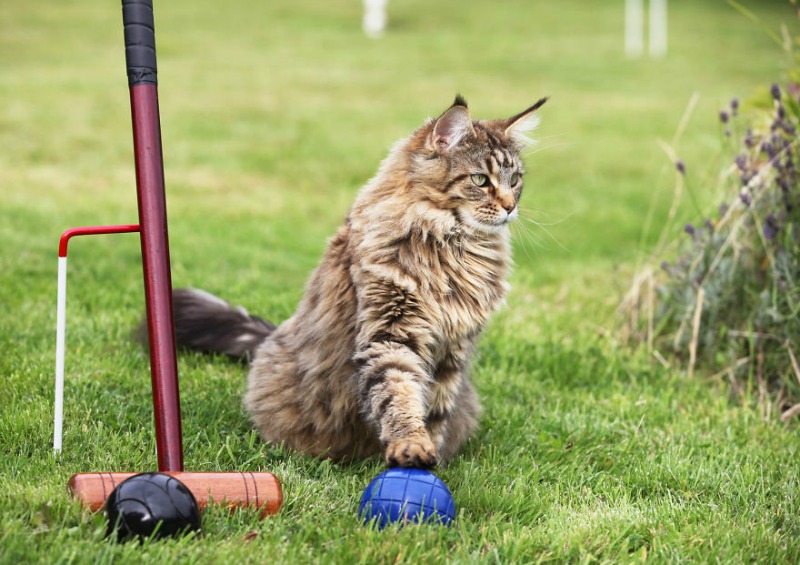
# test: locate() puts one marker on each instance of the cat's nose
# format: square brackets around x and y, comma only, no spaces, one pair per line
[507,201]
[508,204]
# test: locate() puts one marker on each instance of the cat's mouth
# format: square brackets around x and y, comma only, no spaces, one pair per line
[495,222]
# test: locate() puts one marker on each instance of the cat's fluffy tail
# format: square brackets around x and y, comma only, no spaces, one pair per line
[207,323]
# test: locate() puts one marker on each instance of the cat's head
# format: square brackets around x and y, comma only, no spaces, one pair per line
[475,165]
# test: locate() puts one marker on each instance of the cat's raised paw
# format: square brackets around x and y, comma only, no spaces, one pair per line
[411,452]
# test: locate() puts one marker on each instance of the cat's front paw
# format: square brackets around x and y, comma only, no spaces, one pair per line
[411,452]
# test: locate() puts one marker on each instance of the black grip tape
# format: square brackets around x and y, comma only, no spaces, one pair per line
[140,41]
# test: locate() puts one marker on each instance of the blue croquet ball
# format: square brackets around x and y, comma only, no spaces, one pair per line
[407,495]
[151,505]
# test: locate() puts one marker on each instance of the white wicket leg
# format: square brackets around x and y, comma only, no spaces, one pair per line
[61,326]
[634,28]
[375,17]
[658,28]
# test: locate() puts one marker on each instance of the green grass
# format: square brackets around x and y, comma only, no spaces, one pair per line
[273,114]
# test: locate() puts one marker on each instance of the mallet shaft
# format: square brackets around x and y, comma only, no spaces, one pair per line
[140,58]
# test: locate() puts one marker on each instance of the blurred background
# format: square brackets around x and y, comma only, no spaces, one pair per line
[275,113]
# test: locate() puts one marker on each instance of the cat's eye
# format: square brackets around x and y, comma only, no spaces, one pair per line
[515,179]
[480,179]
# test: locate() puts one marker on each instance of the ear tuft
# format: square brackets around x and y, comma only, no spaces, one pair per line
[451,126]
[518,127]
[460,101]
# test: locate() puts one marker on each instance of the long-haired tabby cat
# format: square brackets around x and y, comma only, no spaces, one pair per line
[376,358]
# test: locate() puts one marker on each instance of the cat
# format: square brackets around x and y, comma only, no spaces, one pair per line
[376,358]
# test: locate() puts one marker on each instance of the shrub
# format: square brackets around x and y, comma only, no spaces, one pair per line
[729,300]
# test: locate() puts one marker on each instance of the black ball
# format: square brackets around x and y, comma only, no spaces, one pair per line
[151,505]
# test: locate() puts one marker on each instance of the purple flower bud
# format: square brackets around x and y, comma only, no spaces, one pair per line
[689,228]
[665,266]
[741,162]
[771,227]
[748,138]
[723,209]
[745,198]
[775,91]
[734,106]
[680,166]
[723,116]
[709,225]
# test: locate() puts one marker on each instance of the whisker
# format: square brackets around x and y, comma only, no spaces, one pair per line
[524,247]
[526,208]
[549,224]
[530,242]
[550,235]
[543,227]
[538,147]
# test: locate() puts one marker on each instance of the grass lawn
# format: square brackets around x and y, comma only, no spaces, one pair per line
[273,115]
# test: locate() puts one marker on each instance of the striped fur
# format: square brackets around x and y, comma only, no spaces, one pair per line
[208,323]
[376,358]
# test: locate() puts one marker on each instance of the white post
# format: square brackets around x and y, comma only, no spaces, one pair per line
[61,326]
[375,17]
[634,28]
[658,28]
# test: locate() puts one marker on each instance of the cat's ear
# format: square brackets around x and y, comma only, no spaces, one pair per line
[451,126]
[517,127]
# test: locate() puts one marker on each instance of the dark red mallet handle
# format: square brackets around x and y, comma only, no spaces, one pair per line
[140,55]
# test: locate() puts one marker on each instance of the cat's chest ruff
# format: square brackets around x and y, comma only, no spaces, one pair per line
[451,285]
[473,285]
